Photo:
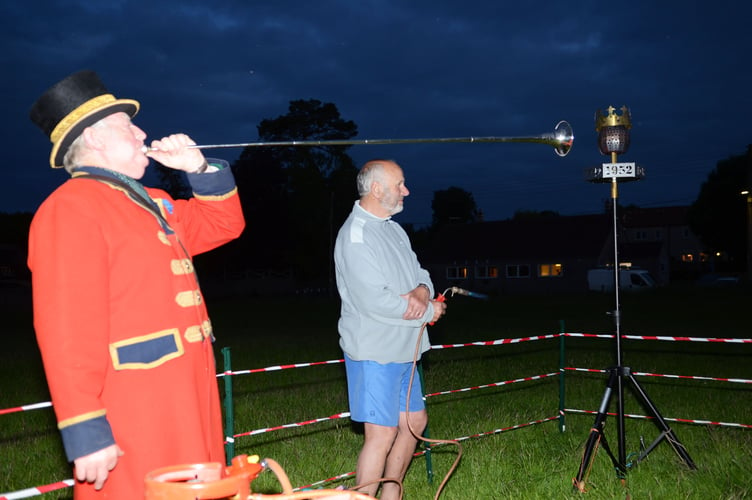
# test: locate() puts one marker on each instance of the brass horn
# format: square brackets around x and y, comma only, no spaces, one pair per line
[561,139]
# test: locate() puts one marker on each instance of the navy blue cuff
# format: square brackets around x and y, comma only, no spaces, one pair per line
[213,183]
[86,437]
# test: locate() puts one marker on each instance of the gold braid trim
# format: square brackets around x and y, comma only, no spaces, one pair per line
[74,116]
[218,197]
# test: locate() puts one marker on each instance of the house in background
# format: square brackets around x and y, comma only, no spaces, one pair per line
[554,253]
[532,255]
[683,255]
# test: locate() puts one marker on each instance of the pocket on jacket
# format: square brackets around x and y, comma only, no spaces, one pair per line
[146,351]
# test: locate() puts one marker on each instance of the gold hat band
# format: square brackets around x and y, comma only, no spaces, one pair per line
[74,116]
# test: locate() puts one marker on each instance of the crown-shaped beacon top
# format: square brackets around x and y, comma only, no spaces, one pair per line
[611,119]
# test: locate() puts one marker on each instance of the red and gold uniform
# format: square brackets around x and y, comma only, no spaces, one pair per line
[122,326]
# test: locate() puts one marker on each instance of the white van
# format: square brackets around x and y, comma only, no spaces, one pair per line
[602,279]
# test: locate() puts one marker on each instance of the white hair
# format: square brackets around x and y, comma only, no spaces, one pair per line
[372,171]
[70,160]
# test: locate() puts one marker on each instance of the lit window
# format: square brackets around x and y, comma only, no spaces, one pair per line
[550,270]
[486,272]
[687,257]
[457,272]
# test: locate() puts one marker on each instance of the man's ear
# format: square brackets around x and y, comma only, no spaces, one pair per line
[92,138]
[377,189]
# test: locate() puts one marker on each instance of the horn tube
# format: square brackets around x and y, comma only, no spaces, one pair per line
[561,139]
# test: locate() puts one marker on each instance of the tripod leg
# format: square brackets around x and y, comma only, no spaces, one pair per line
[596,432]
[620,426]
[667,433]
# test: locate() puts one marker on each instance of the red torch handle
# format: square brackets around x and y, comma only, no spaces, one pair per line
[440,298]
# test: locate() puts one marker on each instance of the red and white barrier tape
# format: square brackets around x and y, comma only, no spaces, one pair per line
[687,339]
[423,452]
[588,370]
[662,338]
[665,375]
[347,414]
[297,424]
[35,406]
[31,492]
[280,367]
[497,342]
[695,377]
[325,481]
[591,335]
[495,384]
[681,420]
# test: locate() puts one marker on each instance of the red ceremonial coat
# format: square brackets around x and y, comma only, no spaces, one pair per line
[122,326]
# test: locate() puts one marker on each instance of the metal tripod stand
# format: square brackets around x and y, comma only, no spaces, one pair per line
[618,375]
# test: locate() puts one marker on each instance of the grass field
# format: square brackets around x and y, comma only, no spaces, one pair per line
[535,461]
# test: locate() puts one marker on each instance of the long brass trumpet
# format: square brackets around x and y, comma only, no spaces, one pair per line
[561,139]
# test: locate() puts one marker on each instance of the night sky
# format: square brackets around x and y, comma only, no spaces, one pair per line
[407,69]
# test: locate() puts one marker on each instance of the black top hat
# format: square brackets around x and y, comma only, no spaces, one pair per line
[71,105]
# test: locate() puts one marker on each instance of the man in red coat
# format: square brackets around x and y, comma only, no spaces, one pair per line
[119,316]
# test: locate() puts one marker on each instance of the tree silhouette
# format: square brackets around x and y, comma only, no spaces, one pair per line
[454,206]
[718,216]
[295,198]
[173,181]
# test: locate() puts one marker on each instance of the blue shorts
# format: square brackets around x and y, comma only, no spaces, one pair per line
[378,392]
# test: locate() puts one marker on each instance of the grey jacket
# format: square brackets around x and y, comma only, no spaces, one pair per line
[374,265]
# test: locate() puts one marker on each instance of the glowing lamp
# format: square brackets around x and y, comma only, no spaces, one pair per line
[613,130]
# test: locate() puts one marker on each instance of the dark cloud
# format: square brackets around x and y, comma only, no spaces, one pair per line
[406,70]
